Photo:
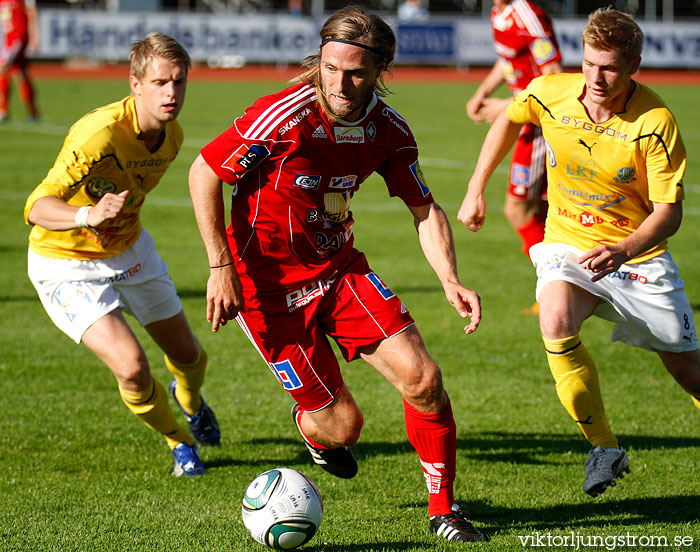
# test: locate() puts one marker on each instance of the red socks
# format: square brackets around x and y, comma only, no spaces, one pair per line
[4,92]
[297,420]
[531,233]
[434,436]
[26,92]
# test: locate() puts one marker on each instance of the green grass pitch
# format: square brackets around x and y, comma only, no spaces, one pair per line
[78,472]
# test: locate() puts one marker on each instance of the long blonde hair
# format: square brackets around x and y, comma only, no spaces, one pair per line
[357,26]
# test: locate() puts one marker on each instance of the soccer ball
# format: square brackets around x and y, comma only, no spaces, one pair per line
[282,509]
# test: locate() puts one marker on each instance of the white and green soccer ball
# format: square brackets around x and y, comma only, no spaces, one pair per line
[282,509]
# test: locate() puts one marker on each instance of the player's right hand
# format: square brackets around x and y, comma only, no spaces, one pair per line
[473,109]
[224,296]
[108,208]
[491,108]
[472,213]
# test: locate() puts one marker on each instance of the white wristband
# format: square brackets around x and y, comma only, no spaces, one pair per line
[81,216]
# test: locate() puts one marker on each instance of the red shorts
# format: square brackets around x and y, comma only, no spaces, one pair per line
[13,51]
[528,176]
[290,329]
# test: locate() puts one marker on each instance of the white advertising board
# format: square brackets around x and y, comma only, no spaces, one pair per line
[284,39]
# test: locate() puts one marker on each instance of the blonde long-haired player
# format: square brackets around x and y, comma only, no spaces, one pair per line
[289,274]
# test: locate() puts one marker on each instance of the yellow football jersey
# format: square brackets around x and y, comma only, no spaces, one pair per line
[102,154]
[602,177]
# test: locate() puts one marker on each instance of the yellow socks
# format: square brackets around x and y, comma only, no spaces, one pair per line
[190,378]
[151,406]
[577,385]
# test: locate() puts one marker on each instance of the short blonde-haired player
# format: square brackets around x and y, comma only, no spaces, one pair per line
[615,169]
[90,259]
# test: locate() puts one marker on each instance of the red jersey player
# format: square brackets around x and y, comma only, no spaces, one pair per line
[526,47]
[287,271]
[19,26]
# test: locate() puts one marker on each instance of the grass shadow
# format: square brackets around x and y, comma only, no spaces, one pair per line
[369,546]
[514,448]
[637,511]
[529,448]
[557,518]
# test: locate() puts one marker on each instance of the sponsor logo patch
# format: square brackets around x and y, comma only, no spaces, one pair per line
[520,175]
[551,157]
[320,132]
[337,206]
[294,121]
[420,179]
[625,175]
[124,275]
[588,219]
[394,120]
[542,50]
[380,286]
[592,127]
[371,131]
[72,297]
[433,475]
[246,158]
[587,199]
[578,170]
[286,374]
[307,181]
[97,187]
[626,275]
[349,135]
[300,297]
[342,182]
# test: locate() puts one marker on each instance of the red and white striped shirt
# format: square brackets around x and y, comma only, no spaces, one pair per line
[294,172]
[13,16]
[524,40]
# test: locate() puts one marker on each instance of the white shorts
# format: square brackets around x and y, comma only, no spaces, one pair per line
[77,293]
[646,300]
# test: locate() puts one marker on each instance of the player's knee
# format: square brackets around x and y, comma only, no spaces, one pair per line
[346,432]
[517,213]
[352,433]
[689,379]
[186,353]
[133,373]
[555,322]
[424,386]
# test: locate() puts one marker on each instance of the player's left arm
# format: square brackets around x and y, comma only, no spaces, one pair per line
[435,236]
[661,224]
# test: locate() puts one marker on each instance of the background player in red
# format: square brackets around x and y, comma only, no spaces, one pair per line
[526,47]
[20,33]
[288,271]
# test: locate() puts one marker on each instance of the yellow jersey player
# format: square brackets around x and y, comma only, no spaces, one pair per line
[615,170]
[89,258]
